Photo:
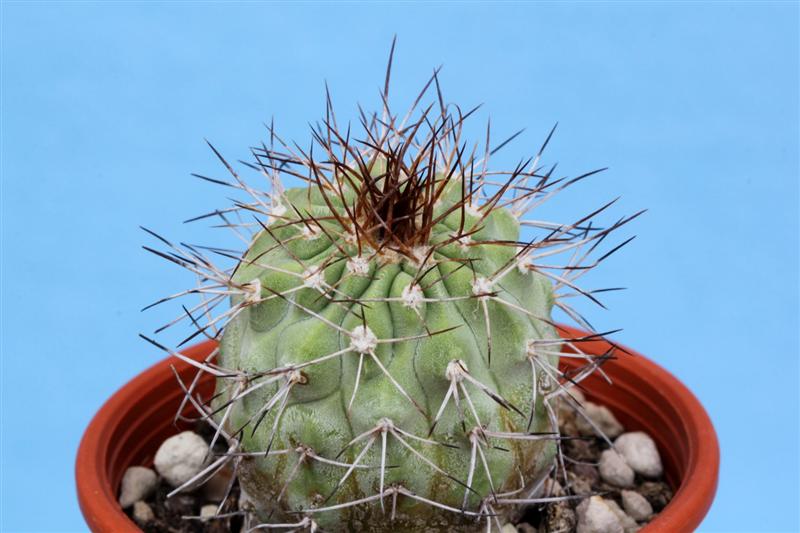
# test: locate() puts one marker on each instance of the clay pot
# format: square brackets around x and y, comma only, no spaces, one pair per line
[128,429]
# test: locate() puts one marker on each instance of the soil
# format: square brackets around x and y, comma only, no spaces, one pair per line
[581,457]
[170,513]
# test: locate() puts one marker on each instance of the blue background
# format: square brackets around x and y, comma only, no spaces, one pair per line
[694,107]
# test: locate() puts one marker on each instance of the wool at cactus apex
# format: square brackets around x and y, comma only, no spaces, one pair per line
[692,106]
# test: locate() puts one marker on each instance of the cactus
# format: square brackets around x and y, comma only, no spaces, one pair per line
[389,361]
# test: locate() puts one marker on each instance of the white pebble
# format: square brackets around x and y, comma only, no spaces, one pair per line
[208,511]
[613,469]
[595,516]
[137,484]
[577,393]
[628,523]
[552,488]
[181,457]
[508,528]
[142,513]
[602,418]
[636,505]
[640,452]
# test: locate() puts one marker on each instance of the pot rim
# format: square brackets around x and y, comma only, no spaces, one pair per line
[692,499]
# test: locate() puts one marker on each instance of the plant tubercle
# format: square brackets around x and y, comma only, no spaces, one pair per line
[388,360]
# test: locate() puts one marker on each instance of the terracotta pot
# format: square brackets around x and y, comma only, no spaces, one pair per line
[128,429]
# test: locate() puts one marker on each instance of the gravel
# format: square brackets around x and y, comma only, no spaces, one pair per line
[636,505]
[615,470]
[207,511]
[602,418]
[640,453]
[628,524]
[621,487]
[142,513]
[657,493]
[181,457]
[137,484]
[596,516]
[616,497]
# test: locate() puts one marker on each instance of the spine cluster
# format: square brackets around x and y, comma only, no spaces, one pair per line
[407,192]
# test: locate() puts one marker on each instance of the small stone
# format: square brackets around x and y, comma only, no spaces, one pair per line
[566,426]
[636,505]
[566,401]
[628,523]
[566,419]
[566,410]
[208,511]
[640,452]
[657,493]
[587,472]
[214,489]
[558,517]
[181,457]
[602,418]
[524,527]
[614,469]
[577,393]
[596,516]
[552,488]
[578,485]
[508,528]
[137,484]
[582,450]
[142,513]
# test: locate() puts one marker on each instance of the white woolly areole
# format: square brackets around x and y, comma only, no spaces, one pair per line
[350,237]
[389,257]
[295,376]
[363,340]
[530,348]
[455,370]
[252,292]
[524,264]
[277,210]
[313,278]
[412,296]
[420,254]
[464,241]
[472,209]
[481,287]
[310,232]
[358,265]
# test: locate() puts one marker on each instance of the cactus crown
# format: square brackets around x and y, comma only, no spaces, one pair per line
[392,276]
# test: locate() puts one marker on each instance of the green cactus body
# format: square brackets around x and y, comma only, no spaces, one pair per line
[426,334]
[389,361]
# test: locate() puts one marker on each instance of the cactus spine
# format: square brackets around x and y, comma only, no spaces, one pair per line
[389,361]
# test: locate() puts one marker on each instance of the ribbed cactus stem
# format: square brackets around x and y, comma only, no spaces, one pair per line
[389,360]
